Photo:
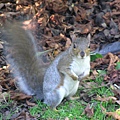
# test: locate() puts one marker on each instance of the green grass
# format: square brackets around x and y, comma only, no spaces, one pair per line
[70,109]
[6,106]
[9,108]
[74,109]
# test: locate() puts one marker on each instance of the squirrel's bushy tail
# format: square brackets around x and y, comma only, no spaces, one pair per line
[21,48]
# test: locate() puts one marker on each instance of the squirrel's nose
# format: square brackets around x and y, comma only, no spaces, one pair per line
[82,54]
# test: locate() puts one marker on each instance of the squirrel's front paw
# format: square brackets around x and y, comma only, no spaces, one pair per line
[72,74]
[74,77]
[81,76]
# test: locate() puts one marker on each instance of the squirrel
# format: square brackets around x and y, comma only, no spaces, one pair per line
[50,83]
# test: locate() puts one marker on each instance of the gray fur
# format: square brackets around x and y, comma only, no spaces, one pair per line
[54,83]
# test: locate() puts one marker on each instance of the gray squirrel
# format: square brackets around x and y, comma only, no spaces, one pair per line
[50,83]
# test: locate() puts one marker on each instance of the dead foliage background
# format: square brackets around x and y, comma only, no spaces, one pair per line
[52,21]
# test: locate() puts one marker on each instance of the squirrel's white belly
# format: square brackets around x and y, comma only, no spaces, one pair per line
[70,86]
[81,66]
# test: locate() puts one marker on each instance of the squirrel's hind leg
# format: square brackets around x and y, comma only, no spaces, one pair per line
[54,98]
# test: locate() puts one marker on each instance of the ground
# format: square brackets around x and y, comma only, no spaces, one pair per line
[52,23]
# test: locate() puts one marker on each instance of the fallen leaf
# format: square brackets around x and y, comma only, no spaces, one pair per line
[116,90]
[80,13]
[57,6]
[83,28]
[43,20]
[113,59]
[1,5]
[105,99]
[118,102]
[89,110]
[30,103]
[24,116]
[90,85]
[3,96]
[19,96]
[113,76]
[114,115]
[103,109]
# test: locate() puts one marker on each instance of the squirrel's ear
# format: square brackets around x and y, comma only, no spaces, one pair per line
[73,36]
[89,38]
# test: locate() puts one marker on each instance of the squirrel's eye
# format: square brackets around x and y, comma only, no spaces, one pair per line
[74,45]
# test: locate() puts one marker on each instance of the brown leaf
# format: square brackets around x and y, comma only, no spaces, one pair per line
[90,85]
[113,59]
[56,52]
[109,59]
[3,96]
[103,109]
[19,96]
[118,102]
[113,76]
[114,115]
[83,28]
[98,62]
[43,20]
[116,91]
[1,5]
[89,110]
[25,2]
[57,19]
[24,116]
[105,99]
[57,6]
[95,72]
[30,103]
[80,13]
